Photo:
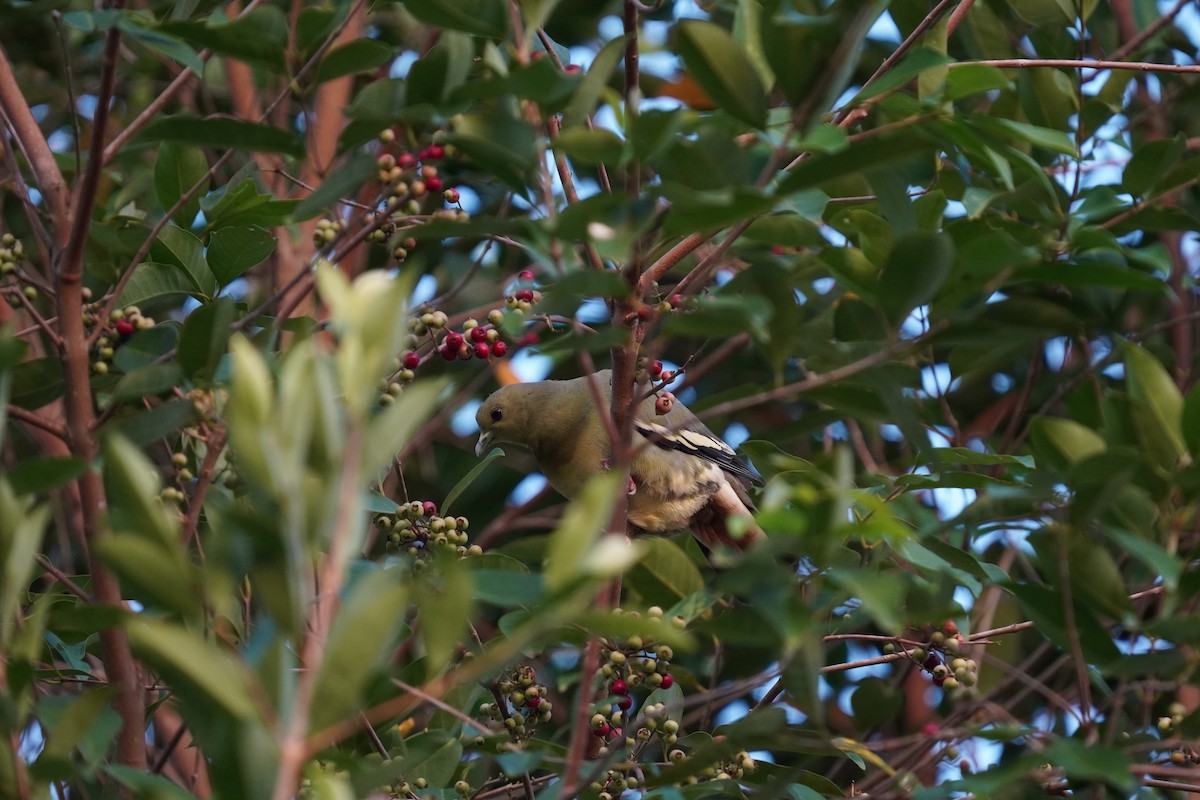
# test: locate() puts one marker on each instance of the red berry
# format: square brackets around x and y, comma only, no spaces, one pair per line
[777,250]
[938,680]
[533,702]
[433,152]
[451,195]
[930,729]
[668,681]
[645,312]
[479,334]
[602,730]
[448,353]
[528,339]
[429,508]
[125,327]
[433,184]
[949,627]
[625,703]
[656,368]
[572,69]
[406,160]
[499,349]
[524,294]
[483,351]
[676,300]
[411,360]
[668,375]
[454,340]
[525,275]
[620,687]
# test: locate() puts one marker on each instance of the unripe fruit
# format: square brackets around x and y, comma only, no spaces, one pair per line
[451,195]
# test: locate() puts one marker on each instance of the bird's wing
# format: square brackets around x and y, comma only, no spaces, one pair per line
[700,443]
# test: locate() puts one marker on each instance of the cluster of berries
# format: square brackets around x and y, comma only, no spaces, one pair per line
[940,659]
[416,529]
[12,254]
[115,329]
[521,704]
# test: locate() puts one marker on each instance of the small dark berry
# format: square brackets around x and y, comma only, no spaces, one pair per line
[454,340]
[499,349]
[448,353]
[483,351]
[620,687]
[125,327]
[645,312]
[931,662]
[529,339]
[433,152]
[479,334]
[668,681]
[406,160]
[676,300]
[602,731]
[625,703]
[433,184]
[656,368]
[525,274]
[411,360]
[524,294]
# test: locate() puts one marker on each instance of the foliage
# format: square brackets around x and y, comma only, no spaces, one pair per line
[257,260]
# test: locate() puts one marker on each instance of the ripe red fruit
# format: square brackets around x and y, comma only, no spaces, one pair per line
[125,327]
[528,339]
[572,69]
[602,731]
[656,368]
[454,340]
[525,275]
[533,702]
[676,300]
[448,353]
[620,687]
[429,508]
[411,360]
[478,334]
[668,681]
[949,627]
[406,160]
[645,312]
[433,152]
[524,294]
[931,662]
[451,195]
[625,703]
[499,349]
[433,184]
[483,351]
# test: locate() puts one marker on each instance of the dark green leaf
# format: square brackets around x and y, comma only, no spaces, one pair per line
[176,171]
[42,473]
[204,337]
[224,134]
[360,55]
[234,249]
[479,17]
[148,381]
[719,64]
[36,382]
[914,272]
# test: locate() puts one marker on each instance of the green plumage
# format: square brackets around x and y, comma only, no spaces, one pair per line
[684,476]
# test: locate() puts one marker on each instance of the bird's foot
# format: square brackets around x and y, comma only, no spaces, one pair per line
[606,464]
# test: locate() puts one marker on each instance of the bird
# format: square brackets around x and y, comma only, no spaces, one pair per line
[683,475]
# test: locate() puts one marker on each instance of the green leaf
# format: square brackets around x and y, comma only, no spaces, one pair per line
[36,382]
[433,755]
[578,531]
[666,574]
[151,380]
[42,473]
[360,55]
[918,265]
[236,248]
[853,160]
[176,170]
[497,143]
[1087,761]
[479,17]
[469,478]
[1069,440]
[204,337]
[506,588]
[719,64]
[21,529]
[1150,162]
[185,250]
[224,134]
[259,36]
[361,636]
[583,103]
[1157,396]
[589,146]
[882,597]
[200,671]
[912,65]
[156,575]
[152,281]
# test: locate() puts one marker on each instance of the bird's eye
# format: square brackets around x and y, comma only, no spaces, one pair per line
[497,414]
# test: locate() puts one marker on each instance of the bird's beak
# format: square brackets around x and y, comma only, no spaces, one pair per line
[485,441]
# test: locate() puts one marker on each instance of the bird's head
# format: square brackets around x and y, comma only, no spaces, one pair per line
[502,418]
